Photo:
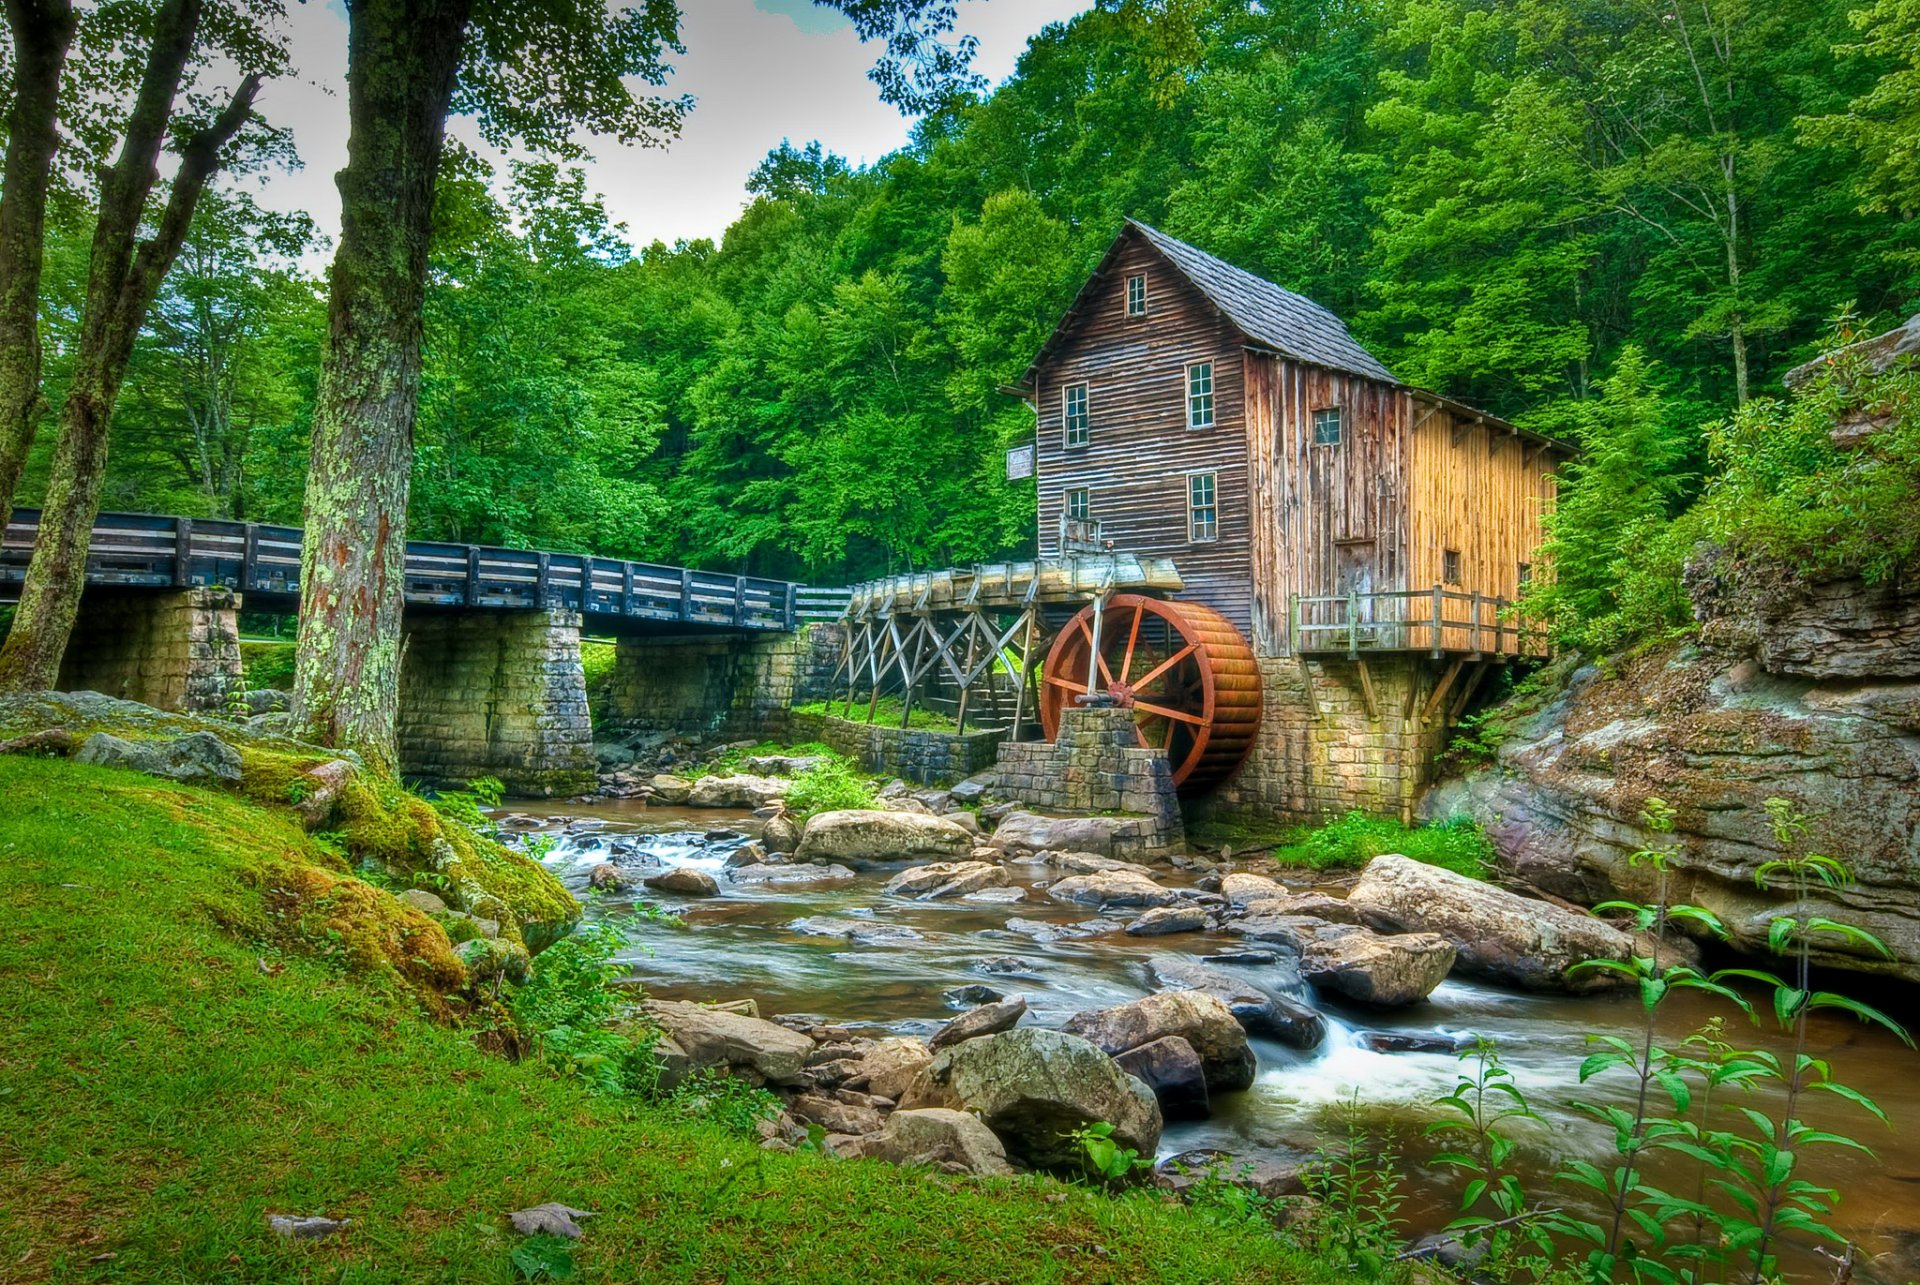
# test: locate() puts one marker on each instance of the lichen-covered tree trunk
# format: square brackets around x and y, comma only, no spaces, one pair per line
[123,276]
[42,30]
[402,58]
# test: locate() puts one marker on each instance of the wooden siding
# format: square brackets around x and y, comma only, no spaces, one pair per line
[1334,518]
[1483,491]
[1141,452]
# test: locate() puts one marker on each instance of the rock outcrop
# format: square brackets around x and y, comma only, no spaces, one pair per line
[1810,693]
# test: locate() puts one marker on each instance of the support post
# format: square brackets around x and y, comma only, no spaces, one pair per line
[250,555]
[1353,624]
[1473,629]
[473,575]
[1366,689]
[793,606]
[1439,615]
[686,593]
[1440,691]
[626,589]
[739,602]
[1026,667]
[182,552]
[542,579]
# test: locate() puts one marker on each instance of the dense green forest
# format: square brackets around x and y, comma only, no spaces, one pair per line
[1606,216]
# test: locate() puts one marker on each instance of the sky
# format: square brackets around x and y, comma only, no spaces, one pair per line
[759,71]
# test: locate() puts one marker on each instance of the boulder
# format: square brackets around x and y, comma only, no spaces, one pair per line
[988,1019]
[1162,920]
[1199,1019]
[1273,1179]
[945,879]
[784,764]
[780,835]
[971,995]
[1239,889]
[1171,1068]
[1019,833]
[834,1115]
[789,874]
[758,1051]
[737,791]
[863,837]
[975,787]
[1087,863]
[860,932]
[423,901]
[673,791]
[1111,888]
[1498,935]
[1033,1086]
[606,877]
[1403,968]
[1258,1010]
[197,757]
[935,1136]
[1307,905]
[893,1065]
[684,880]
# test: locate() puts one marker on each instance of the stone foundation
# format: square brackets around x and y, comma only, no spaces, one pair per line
[173,649]
[497,693]
[1096,764]
[1309,768]
[913,754]
[721,687]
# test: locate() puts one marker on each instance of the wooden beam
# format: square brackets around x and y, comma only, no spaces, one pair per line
[1440,691]
[1306,683]
[1467,689]
[1366,690]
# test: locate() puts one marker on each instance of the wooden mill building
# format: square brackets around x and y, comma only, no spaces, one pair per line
[1367,537]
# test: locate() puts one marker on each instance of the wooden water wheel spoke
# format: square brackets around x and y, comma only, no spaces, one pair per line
[1192,703]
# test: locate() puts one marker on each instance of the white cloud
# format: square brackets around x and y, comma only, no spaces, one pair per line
[760,71]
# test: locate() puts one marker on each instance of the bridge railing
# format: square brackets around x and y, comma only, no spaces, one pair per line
[146,550]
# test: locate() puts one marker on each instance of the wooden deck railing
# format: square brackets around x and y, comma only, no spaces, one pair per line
[1439,621]
[138,549]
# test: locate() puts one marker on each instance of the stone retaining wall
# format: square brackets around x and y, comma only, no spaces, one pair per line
[177,650]
[724,687]
[1096,764]
[497,693]
[1310,768]
[920,755]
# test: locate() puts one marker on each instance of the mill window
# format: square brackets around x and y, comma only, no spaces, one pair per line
[1079,505]
[1137,295]
[1450,566]
[1200,395]
[1203,508]
[1526,576]
[1326,426]
[1075,418]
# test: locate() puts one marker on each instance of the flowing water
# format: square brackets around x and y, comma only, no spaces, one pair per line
[740,945]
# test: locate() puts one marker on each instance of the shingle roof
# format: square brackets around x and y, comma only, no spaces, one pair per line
[1290,324]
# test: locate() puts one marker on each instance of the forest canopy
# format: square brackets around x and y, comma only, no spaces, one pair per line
[1617,216]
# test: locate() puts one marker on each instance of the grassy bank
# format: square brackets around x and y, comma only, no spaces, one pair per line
[173,1068]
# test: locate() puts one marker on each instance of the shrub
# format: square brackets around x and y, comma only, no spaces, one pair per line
[1456,844]
[832,786]
[566,1006]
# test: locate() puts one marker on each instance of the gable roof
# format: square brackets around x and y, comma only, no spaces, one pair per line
[1273,317]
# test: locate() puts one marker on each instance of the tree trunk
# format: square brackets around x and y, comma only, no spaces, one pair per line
[123,276]
[42,30]
[401,63]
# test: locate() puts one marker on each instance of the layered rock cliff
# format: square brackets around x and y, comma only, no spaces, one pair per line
[1807,692]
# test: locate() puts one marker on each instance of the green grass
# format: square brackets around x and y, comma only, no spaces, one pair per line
[886,714]
[1456,844]
[267,664]
[166,1082]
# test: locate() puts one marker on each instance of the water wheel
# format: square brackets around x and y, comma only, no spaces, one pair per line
[1186,673]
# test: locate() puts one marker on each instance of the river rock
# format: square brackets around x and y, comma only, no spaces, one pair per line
[423,901]
[935,1136]
[1087,863]
[1273,1179]
[1389,971]
[834,1115]
[971,995]
[786,874]
[988,1019]
[892,1066]
[1239,889]
[1199,1019]
[860,932]
[1111,888]
[1171,1068]
[747,792]
[1162,920]
[1305,905]
[997,896]
[673,791]
[862,837]
[761,1052]
[1006,966]
[1033,1086]
[784,764]
[945,879]
[1019,833]
[1405,1042]
[1259,1011]
[1498,935]
[684,880]
[198,757]
[780,835]
[606,877]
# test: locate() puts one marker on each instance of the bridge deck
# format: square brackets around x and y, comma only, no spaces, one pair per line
[263,563]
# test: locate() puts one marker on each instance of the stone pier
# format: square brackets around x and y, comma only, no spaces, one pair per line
[498,694]
[1097,764]
[173,649]
[725,687]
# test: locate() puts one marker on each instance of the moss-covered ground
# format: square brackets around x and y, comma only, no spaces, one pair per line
[173,1068]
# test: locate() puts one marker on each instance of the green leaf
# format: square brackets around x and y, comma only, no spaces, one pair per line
[1865,1012]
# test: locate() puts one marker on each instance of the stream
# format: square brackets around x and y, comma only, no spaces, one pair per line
[740,945]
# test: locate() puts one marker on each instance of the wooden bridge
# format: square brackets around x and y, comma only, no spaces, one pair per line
[262,562]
